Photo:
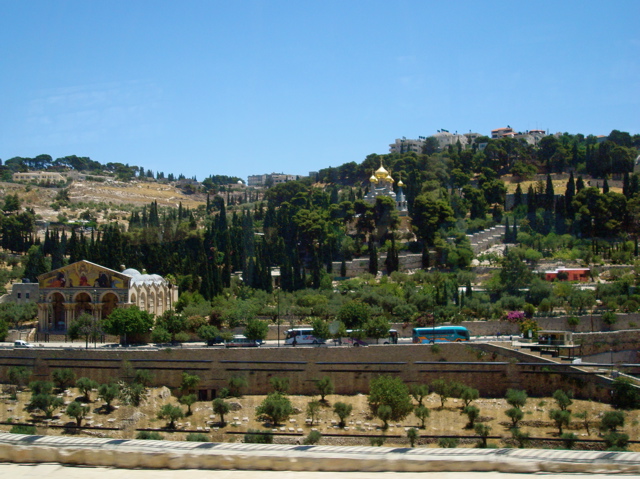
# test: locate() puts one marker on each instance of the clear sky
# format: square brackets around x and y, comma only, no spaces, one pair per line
[249,87]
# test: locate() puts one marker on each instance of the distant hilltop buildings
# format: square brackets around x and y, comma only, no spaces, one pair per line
[444,139]
[270,179]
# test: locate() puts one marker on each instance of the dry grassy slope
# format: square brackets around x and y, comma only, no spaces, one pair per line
[447,421]
[137,194]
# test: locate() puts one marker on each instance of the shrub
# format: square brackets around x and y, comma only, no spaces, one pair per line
[625,394]
[377,441]
[521,438]
[609,318]
[616,441]
[448,442]
[413,436]
[569,439]
[19,376]
[419,392]
[313,438]
[197,437]
[23,429]
[254,436]
[149,435]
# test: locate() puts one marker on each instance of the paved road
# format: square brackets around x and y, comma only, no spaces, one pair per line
[57,471]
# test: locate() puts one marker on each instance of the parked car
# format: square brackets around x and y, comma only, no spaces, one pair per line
[19,343]
[240,341]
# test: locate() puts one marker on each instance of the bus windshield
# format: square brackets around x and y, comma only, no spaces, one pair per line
[440,334]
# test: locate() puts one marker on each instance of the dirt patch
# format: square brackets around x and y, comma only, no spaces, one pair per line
[442,421]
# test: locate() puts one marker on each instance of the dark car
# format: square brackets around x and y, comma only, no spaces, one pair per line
[240,341]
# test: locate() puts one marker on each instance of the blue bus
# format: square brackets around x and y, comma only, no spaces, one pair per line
[440,334]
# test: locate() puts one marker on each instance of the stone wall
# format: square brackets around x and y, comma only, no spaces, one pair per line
[489,368]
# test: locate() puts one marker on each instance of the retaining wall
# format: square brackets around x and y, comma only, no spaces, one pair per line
[489,368]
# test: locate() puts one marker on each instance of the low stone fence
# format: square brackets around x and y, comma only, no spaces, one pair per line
[132,454]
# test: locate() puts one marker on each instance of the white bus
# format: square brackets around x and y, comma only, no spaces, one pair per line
[357,338]
[301,336]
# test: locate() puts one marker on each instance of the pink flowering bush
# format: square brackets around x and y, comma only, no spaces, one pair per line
[515,316]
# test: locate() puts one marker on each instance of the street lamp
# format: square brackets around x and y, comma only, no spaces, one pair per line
[278,316]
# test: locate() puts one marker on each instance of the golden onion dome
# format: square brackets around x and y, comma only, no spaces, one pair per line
[373,179]
[381,173]
[400,184]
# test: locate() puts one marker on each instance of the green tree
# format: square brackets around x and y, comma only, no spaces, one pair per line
[422,413]
[108,392]
[468,395]
[515,414]
[19,376]
[625,394]
[77,411]
[390,392]
[208,333]
[313,408]
[189,382]
[516,398]
[63,378]
[377,327]
[612,420]
[514,274]
[483,431]
[85,386]
[149,435]
[472,413]
[320,329]
[171,413]
[36,264]
[442,388]
[563,399]
[279,385]
[561,417]
[188,400]
[85,326]
[313,438]
[221,408]
[354,314]
[236,385]
[45,402]
[419,392]
[122,322]
[325,387]
[275,408]
[256,330]
[343,411]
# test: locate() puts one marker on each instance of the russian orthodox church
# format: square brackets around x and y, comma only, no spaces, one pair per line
[382,185]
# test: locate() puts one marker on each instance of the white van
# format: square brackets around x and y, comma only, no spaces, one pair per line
[302,336]
[19,343]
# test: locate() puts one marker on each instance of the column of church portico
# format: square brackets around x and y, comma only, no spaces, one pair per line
[69,315]
[43,309]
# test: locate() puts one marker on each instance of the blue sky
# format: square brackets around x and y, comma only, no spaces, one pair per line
[250,87]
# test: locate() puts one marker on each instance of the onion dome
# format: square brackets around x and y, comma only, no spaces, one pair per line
[400,184]
[381,173]
[373,179]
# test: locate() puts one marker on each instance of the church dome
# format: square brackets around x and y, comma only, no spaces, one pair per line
[373,179]
[400,184]
[381,173]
